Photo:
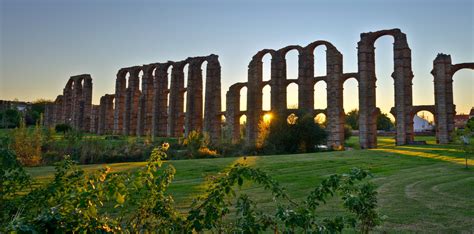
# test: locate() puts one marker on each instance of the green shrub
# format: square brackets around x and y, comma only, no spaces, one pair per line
[138,202]
[27,144]
[63,128]
[299,137]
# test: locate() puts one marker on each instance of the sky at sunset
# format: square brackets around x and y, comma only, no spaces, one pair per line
[44,42]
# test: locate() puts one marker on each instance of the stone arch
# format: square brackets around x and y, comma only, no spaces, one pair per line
[416,109]
[443,71]
[318,81]
[402,76]
[347,77]
[233,110]
[161,97]
[254,94]
[106,114]
[176,100]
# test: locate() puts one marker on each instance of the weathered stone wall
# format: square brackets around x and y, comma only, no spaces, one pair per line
[402,76]
[157,106]
[74,107]
[156,110]
[445,110]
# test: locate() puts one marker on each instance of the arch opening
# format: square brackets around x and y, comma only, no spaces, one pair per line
[267,67]
[266,98]
[292,96]
[320,95]
[320,62]
[243,99]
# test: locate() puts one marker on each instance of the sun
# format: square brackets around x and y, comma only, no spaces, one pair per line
[267,117]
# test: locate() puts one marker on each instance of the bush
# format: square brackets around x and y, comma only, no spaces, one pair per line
[138,201]
[197,145]
[10,118]
[63,128]
[347,132]
[27,145]
[300,137]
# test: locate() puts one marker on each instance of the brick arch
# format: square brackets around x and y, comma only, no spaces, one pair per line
[402,76]
[456,67]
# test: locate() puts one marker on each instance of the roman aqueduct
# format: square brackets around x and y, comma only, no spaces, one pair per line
[157,107]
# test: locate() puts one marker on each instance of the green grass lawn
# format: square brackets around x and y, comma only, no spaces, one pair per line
[422,188]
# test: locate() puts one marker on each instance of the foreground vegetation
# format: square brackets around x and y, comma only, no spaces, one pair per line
[422,188]
[138,201]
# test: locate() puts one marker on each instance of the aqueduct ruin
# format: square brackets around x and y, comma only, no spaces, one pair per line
[158,108]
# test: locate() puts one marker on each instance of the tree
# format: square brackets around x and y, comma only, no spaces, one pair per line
[10,118]
[301,136]
[384,122]
[352,119]
[33,113]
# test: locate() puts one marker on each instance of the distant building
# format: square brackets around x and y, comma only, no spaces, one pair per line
[460,121]
[421,124]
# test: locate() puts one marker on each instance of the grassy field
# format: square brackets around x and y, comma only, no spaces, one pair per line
[422,188]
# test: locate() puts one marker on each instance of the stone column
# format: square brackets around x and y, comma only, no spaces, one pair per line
[335,111]
[278,83]
[305,81]
[176,103]
[131,102]
[94,116]
[232,112]
[66,115]
[212,108]
[120,91]
[77,106]
[160,100]
[146,115]
[102,117]
[109,113]
[58,110]
[403,76]
[367,108]
[194,99]
[87,98]
[444,116]
[254,99]
[141,115]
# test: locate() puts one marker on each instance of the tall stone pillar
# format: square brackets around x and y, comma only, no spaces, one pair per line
[232,112]
[194,99]
[141,115]
[254,99]
[367,79]
[132,96]
[77,106]
[87,98]
[335,109]
[58,110]
[403,76]
[278,83]
[160,100]
[66,115]
[212,108]
[146,114]
[305,81]
[176,103]
[94,116]
[101,114]
[444,116]
[120,91]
